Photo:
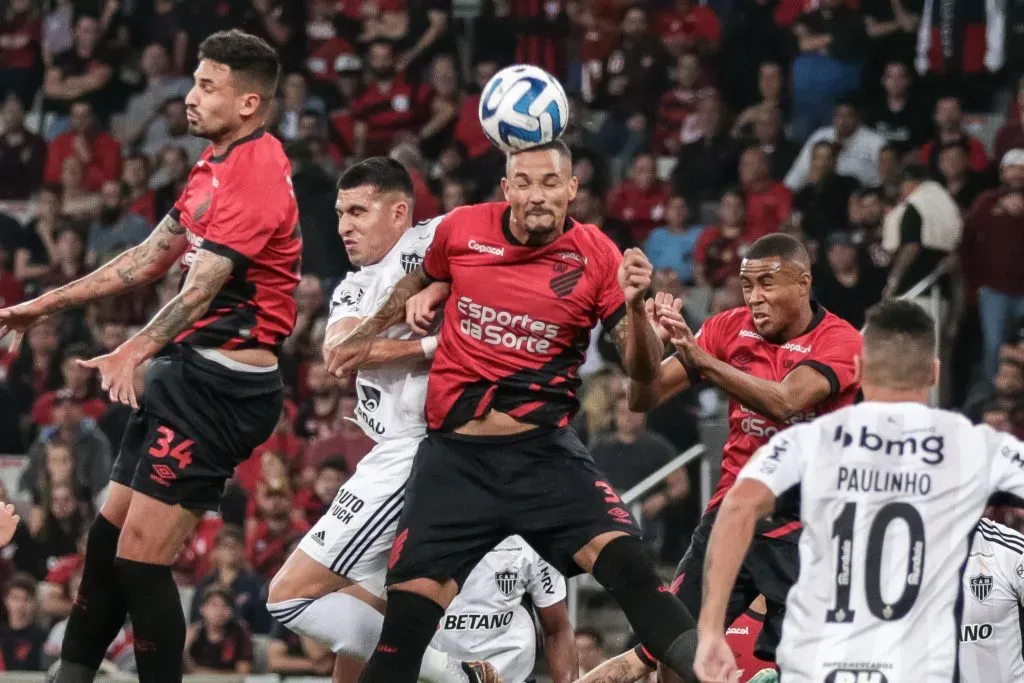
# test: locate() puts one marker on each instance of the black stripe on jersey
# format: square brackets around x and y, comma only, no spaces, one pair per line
[613,319]
[996,535]
[240,260]
[826,371]
[368,533]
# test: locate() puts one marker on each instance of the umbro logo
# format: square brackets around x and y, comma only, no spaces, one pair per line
[319,538]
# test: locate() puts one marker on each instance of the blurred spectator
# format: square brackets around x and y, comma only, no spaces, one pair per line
[721,246]
[317,413]
[68,258]
[770,138]
[313,131]
[890,170]
[11,290]
[115,230]
[168,180]
[639,202]
[78,204]
[426,205]
[162,23]
[271,539]
[21,639]
[294,103]
[346,82]
[78,383]
[442,107]
[35,369]
[453,195]
[857,146]
[820,207]
[865,223]
[892,27]
[1013,343]
[277,22]
[539,31]
[218,642]
[312,306]
[949,128]
[82,72]
[897,114]
[588,207]
[831,40]
[708,165]
[55,527]
[70,427]
[316,498]
[98,152]
[340,437]
[1011,134]
[325,43]
[991,254]
[171,129]
[230,573]
[689,25]
[22,152]
[672,245]
[57,590]
[145,107]
[467,127]
[963,184]
[21,30]
[196,559]
[767,201]
[140,197]
[770,88]
[842,284]
[288,653]
[678,105]
[590,648]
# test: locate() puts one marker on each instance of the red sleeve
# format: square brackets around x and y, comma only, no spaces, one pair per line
[56,153]
[926,153]
[42,409]
[246,215]
[435,261]
[979,160]
[788,11]
[611,303]
[707,24]
[832,355]
[700,249]
[709,335]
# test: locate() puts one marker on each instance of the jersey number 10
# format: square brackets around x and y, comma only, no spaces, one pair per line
[842,529]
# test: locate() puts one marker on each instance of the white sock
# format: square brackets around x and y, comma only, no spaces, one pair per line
[350,627]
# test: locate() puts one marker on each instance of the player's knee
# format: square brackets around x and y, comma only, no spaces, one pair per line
[115,507]
[303,577]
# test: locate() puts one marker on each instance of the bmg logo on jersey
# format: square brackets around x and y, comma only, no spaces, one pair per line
[929,448]
[506,328]
[856,676]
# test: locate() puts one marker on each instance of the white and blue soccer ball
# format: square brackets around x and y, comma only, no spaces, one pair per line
[523,106]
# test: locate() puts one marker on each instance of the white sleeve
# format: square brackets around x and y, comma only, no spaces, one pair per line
[1006,454]
[779,464]
[797,176]
[545,585]
[345,300]
[1017,579]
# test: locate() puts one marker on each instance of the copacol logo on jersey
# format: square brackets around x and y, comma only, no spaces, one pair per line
[501,328]
[928,448]
[369,401]
[856,676]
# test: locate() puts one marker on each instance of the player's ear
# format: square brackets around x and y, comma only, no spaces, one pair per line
[249,104]
[858,367]
[504,188]
[936,370]
[401,211]
[574,186]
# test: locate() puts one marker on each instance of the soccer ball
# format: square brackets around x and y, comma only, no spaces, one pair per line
[522,107]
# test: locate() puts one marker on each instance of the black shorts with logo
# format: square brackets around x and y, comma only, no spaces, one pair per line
[769,569]
[196,421]
[467,493]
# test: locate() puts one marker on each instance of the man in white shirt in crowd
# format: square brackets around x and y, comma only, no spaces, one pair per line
[858,146]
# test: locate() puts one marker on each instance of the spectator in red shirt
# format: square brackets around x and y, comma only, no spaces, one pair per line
[196,558]
[344,439]
[219,642]
[22,153]
[11,289]
[425,205]
[79,381]
[772,92]
[98,151]
[314,500]
[689,25]
[640,201]
[135,176]
[231,573]
[949,128]
[678,105]
[83,72]
[56,592]
[721,247]
[441,107]
[21,33]
[1011,134]
[21,640]
[540,29]
[768,201]
[467,127]
[271,538]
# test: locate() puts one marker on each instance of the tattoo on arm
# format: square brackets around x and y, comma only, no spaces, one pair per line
[619,334]
[205,278]
[393,310]
[615,670]
[164,239]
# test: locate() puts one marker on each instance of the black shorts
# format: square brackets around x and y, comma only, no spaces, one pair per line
[467,493]
[769,569]
[196,421]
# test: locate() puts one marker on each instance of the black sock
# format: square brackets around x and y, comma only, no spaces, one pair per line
[157,621]
[657,616]
[409,623]
[99,610]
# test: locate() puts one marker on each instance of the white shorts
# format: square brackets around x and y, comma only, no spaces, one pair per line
[353,538]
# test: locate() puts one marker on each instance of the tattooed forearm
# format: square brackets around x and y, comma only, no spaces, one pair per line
[136,266]
[207,275]
[638,345]
[625,668]
[392,311]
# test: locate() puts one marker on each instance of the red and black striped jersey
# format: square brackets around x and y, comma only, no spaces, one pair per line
[240,204]
[517,324]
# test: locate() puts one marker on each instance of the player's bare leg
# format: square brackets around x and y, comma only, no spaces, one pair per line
[100,609]
[619,563]
[151,538]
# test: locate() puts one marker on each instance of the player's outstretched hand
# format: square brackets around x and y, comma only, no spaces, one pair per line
[348,356]
[661,305]
[117,373]
[421,308]
[8,523]
[635,273]
[18,319]
[715,662]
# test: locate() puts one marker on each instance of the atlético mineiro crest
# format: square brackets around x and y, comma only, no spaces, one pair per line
[981,587]
[411,261]
[506,581]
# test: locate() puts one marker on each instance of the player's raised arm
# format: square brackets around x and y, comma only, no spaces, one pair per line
[637,341]
[140,265]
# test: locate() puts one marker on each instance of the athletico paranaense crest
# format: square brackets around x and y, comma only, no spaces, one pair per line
[981,586]
[564,278]
[506,581]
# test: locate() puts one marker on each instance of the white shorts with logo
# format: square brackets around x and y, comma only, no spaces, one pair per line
[353,538]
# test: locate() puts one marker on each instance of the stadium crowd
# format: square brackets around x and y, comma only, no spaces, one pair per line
[866,128]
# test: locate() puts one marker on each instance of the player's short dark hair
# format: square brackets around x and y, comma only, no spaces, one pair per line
[247,55]
[557,145]
[779,245]
[383,173]
[22,581]
[899,345]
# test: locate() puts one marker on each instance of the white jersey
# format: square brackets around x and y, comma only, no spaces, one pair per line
[487,620]
[993,585]
[390,399]
[890,493]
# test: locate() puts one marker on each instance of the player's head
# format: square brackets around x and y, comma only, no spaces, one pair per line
[898,356]
[374,205]
[235,83]
[776,280]
[539,185]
